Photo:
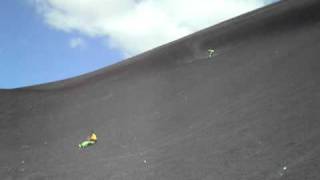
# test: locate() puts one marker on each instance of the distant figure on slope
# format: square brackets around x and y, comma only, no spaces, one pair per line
[91,140]
[210,51]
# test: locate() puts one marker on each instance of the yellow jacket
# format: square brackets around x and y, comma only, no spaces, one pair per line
[93,137]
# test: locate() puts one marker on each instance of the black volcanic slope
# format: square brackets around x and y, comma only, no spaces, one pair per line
[249,113]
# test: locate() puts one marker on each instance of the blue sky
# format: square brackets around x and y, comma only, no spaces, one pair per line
[32,52]
[48,40]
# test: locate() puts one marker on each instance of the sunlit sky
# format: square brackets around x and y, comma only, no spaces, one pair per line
[47,40]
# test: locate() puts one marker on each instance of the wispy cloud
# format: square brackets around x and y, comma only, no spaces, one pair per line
[77,42]
[135,26]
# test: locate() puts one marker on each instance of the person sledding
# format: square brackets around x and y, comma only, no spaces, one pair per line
[91,140]
[211,52]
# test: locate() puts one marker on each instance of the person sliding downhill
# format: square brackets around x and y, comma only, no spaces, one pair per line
[91,140]
[211,52]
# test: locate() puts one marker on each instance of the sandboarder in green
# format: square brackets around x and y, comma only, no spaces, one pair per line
[91,140]
[86,143]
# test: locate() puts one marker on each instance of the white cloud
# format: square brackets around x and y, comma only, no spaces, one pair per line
[135,26]
[77,42]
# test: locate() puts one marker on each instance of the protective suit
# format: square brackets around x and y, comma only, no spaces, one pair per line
[85,144]
[91,140]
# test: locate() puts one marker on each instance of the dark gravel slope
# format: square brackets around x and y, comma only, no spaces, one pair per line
[249,113]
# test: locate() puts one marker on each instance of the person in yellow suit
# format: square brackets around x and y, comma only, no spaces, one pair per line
[91,140]
[92,137]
